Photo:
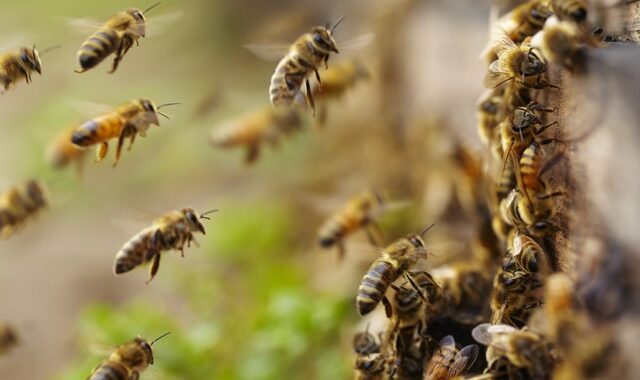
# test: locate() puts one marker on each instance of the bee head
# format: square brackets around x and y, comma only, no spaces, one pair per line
[148,105]
[513,281]
[415,241]
[532,64]
[192,218]
[30,59]
[138,15]
[323,39]
[146,348]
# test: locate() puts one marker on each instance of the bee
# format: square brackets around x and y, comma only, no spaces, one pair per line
[18,64]
[8,338]
[522,350]
[116,36]
[396,259]
[19,204]
[515,295]
[370,363]
[171,231]
[527,255]
[464,288]
[127,361]
[448,362]
[267,125]
[407,303]
[488,114]
[522,64]
[305,56]
[62,152]
[336,80]
[359,212]
[560,42]
[126,121]
[572,10]
[525,20]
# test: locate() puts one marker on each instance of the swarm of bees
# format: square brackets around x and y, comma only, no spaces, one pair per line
[508,312]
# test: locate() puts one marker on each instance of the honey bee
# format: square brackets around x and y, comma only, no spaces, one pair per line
[19,204]
[370,363]
[117,36]
[560,42]
[527,255]
[573,10]
[8,338]
[171,231]
[359,212]
[522,64]
[515,295]
[464,290]
[62,152]
[448,362]
[336,80]
[365,343]
[407,305]
[522,350]
[305,56]
[488,114]
[396,259]
[127,361]
[268,125]
[18,64]
[126,121]
[525,20]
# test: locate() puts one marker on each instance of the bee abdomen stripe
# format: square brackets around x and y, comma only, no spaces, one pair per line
[107,372]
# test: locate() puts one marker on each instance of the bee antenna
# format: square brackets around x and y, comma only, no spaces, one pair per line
[48,49]
[160,337]
[151,7]
[163,115]
[167,104]
[204,215]
[333,28]
[427,229]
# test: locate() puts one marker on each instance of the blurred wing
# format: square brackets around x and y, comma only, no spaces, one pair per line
[90,109]
[265,52]
[84,25]
[130,221]
[481,334]
[159,24]
[14,42]
[355,44]
[501,329]
[463,360]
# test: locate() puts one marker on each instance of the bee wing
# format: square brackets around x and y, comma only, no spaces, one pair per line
[269,52]
[130,221]
[84,25]
[463,360]
[353,45]
[157,25]
[14,42]
[496,75]
[481,334]
[90,109]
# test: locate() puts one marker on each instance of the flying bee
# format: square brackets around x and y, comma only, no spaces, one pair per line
[522,349]
[126,121]
[448,362]
[18,64]
[62,152]
[515,295]
[116,36]
[336,80]
[8,338]
[171,231]
[19,204]
[522,64]
[127,361]
[396,259]
[527,255]
[359,212]
[265,126]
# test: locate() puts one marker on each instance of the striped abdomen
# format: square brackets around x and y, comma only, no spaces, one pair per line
[338,227]
[101,43]
[530,164]
[135,252]
[98,130]
[110,370]
[286,82]
[507,180]
[374,284]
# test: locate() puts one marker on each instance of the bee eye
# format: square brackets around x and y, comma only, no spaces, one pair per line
[318,38]
[24,57]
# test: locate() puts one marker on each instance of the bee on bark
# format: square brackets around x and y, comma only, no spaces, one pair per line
[171,231]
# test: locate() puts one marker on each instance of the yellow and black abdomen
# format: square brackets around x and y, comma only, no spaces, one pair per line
[374,285]
[98,130]
[110,371]
[137,251]
[102,43]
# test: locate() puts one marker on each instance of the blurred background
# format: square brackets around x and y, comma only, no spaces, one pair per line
[258,298]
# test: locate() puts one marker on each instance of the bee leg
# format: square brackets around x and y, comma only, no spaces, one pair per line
[253,151]
[341,249]
[154,267]
[318,78]
[374,234]
[326,62]
[123,48]
[310,97]
[388,310]
[133,138]
[135,375]
[101,152]
[127,130]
